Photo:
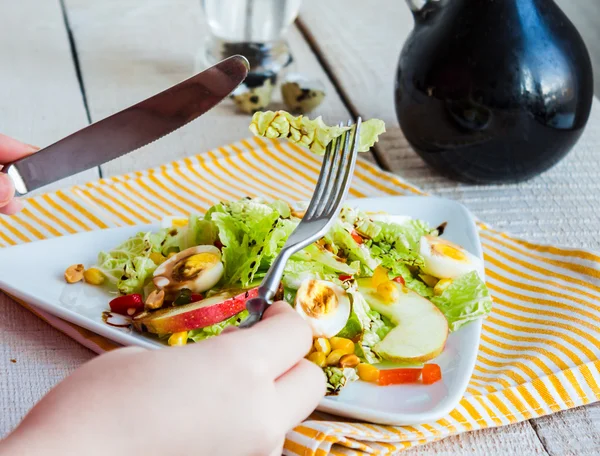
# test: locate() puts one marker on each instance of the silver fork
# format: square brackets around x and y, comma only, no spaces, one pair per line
[325,205]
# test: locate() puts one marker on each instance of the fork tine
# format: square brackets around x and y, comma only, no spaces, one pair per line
[324,177]
[321,204]
[344,178]
[337,179]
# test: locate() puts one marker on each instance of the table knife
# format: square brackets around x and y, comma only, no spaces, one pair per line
[130,129]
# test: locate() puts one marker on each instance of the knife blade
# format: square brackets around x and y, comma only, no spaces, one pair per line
[130,129]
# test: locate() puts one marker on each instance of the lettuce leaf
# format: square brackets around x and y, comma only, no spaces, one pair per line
[313,134]
[252,233]
[396,247]
[340,235]
[128,267]
[466,299]
[337,378]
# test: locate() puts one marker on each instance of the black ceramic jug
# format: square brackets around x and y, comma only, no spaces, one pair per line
[492,91]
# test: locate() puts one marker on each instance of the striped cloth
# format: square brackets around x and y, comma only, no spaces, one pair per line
[539,348]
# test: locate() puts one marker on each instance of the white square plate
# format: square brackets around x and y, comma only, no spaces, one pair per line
[34,273]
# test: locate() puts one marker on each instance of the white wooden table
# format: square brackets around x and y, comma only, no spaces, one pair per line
[68,62]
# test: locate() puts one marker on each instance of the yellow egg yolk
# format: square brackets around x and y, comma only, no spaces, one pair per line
[319,300]
[448,250]
[179,222]
[193,265]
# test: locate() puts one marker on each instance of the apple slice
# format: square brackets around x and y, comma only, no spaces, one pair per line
[421,331]
[195,315]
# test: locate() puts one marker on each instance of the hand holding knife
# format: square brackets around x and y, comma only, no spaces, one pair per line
[130,129]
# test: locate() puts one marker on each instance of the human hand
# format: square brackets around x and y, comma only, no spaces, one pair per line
[236,394]
[11,150]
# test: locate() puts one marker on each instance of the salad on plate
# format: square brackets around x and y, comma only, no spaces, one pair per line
[376,289]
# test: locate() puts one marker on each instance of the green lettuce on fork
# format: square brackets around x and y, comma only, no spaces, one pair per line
[313,134]
[378,268]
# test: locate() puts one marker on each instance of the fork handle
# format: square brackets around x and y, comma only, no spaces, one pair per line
[267,290]
[256,307]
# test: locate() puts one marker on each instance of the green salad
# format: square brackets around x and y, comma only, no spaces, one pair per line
[376,289]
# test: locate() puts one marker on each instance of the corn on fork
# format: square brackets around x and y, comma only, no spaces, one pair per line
[324,207]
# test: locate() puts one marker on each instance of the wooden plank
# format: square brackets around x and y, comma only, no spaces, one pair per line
[571,433]
[40,102]
[585,15]
[130,50]
[518,439]
[560,204]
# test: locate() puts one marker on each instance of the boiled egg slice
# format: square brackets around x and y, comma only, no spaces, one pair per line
[324,305]
[197,269]
[446,260]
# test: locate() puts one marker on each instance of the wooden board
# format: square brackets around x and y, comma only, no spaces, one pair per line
[130,50]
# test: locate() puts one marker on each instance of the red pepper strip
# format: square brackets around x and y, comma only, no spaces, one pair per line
[399,376]
[399,280]
[196,297]
[127,305]
[356,237]
[344,277]
[431,373]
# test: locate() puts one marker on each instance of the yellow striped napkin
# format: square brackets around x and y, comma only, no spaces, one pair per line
[539,348]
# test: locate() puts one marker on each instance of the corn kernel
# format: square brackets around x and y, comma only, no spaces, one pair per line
[380,275]
[178,338]
[349,361]
[334,357]
[310,350]
[93,276]
[367,372]
[441,286]
[388,291]
[318,358]
[341,343]
[322,345]
[157,258]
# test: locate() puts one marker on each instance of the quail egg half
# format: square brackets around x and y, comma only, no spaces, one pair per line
[324,305]
[254,94]
[198,269]
[446,260]
[300,94]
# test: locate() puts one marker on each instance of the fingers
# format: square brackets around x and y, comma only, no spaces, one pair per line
[278,451]
[300,390]
[7,190]
[279,341]
[230,329]
[12,207]
[11,149]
